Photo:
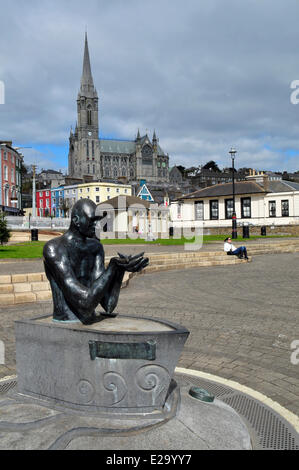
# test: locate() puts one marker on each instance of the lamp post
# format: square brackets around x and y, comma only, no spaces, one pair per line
[234,216]
[33,191]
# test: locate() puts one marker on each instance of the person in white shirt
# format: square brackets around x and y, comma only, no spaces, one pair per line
[230,249]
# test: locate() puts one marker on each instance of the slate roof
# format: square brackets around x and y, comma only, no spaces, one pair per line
[226,189]
[129,200]
[282,186]
[123,146]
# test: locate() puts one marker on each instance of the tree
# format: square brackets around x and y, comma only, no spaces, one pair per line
[211,165]
[5,234]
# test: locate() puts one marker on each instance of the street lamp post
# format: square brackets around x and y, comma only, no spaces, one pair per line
[234,216]
[33,191]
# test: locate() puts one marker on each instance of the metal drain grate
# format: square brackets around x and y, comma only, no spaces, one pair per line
[272,430]
[268,429]
[7,385]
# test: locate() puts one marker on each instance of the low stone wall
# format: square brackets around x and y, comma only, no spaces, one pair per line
[292,230]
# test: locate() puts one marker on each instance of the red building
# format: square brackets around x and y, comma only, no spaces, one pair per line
[10,178]
[43,202]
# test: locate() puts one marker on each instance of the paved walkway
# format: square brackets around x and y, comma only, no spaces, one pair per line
[242,320]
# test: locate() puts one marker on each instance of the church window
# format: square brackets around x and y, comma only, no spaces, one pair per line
[89,115]
[131,173]
[92,147]
[107,172]
[88,169]
[124,171]
[93,169]
[87,148]
[147,155]
[115,172]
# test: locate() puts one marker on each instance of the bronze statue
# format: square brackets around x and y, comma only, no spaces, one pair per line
[75,266]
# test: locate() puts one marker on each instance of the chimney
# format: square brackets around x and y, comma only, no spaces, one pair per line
[266,182]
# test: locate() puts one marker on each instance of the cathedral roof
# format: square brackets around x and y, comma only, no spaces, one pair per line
[123,146]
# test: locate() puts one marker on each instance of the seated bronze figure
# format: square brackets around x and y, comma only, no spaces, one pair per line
[75,266]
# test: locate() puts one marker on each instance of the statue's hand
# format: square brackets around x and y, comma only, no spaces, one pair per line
[130,263]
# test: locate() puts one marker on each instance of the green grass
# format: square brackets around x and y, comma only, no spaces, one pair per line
[35,249]
[22,250]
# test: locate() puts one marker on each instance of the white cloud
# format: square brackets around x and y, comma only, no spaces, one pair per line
[205,75]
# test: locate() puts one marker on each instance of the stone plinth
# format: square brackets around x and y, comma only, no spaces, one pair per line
[122,365]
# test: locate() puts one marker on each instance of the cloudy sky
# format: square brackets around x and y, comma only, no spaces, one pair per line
[207,75]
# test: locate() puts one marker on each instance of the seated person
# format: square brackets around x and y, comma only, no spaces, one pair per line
[230,249]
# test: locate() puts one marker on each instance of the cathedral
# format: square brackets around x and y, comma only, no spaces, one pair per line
[105,159]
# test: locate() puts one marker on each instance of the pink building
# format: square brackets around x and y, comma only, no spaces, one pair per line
[10,178]
[43,202]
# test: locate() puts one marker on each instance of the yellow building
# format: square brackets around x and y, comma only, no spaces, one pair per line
[101,192]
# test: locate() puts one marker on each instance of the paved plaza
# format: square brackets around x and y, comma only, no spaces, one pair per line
[242,318]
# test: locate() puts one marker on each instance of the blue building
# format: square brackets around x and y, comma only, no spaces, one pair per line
[57,198]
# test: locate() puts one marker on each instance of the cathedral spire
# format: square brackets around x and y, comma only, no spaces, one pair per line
[86,79]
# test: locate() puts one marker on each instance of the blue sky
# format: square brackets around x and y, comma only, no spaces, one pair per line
[205,75]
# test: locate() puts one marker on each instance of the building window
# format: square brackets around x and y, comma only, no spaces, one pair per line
[5,172]
[93,169]
[214,212]
[117,190]
[198,210]
[285,208]
[87,148]
[97,198]
[12,175]
[245,207]
[97,189]
[108,189]
[229,208]
[272,208]
[88,169]
[92,148]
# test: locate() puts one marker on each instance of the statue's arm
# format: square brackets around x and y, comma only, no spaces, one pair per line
[111,295]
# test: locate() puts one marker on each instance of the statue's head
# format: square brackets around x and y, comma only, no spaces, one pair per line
[83,217]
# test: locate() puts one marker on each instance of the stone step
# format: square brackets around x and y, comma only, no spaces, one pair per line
[172,266]
[23,292]
[202,259]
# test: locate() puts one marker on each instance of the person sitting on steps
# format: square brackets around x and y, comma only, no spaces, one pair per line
[230,249]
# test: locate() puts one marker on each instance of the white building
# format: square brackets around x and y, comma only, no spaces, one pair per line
[133,217]
[258,202]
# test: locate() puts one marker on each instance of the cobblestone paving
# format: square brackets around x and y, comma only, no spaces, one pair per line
[242,320]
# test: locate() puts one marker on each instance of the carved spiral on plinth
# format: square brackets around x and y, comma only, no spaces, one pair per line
[154,379]
[85,391]
[116,385]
